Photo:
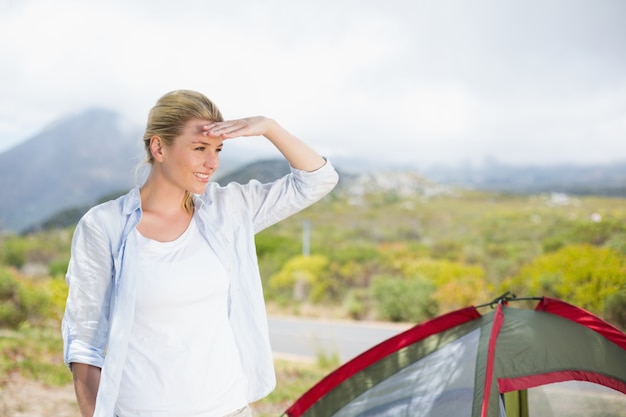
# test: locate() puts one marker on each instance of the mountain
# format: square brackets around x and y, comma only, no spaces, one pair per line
[53,177]
[354,186]
[70,163]
[597,179]
[263,171]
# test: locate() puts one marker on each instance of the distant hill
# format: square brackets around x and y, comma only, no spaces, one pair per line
[52,178]
[264,171]
[353,186]
[55,176]
[72,162]
[598,179]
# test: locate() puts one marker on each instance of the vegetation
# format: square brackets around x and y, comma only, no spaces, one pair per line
[377,255]
[292,380]
[409,258]
[30,339]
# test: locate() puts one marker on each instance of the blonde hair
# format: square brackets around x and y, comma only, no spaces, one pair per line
[168,117]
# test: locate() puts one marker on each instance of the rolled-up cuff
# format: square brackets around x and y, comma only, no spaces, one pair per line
[80,352]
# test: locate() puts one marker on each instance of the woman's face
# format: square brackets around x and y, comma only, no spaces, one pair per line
[193,158]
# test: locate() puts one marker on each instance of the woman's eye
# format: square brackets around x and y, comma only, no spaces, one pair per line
[200,148]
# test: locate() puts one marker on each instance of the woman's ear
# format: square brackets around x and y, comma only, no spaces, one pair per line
[156,148]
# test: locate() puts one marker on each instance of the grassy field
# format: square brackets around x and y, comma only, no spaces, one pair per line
[376,256]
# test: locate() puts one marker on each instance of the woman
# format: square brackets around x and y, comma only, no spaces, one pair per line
[165,313]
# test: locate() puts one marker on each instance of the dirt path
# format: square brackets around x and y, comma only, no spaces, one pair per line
[22,397]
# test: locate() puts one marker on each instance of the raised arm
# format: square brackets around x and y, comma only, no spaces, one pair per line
[299,155]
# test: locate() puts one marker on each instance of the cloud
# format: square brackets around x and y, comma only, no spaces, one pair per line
[425,81]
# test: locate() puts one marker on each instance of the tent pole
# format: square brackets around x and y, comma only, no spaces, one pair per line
[516,403]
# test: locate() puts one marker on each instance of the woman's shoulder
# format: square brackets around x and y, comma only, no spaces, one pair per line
[113,210]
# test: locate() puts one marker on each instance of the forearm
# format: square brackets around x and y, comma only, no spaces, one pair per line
[300,155]
[86,382]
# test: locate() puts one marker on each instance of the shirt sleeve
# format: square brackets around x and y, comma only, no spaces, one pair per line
[90,279]
[270,203]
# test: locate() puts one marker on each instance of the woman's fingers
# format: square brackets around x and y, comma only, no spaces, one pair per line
[250,126]
[217,128]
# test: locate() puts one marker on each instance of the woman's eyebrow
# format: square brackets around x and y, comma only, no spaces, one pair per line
[208,143]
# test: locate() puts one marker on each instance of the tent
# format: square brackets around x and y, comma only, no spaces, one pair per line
[468,364]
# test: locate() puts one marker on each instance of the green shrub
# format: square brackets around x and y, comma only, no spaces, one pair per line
[307,277]
[597,233]
[14,252]
[615,308]
[357,303]
[21,301]
[583,275]
[58,267]
[56,291]
[457,284]
[268,243]
[447,249]
[564,233]
[617,243]
[404,299]
[359,252]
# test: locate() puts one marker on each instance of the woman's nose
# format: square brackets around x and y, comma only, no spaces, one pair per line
[212,161]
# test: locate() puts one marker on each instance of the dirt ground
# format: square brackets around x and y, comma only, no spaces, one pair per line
[22,397]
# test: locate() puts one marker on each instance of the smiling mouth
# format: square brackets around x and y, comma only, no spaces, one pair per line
[202,176]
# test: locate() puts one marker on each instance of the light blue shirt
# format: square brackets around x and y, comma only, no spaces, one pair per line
[101,274]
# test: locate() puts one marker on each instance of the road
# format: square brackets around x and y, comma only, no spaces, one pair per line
[310,338]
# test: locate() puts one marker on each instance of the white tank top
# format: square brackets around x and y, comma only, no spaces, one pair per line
[182,358]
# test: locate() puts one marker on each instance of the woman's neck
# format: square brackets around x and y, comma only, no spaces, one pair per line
[161,197]
[164,218]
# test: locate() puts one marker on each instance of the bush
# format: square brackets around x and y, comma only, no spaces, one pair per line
[584,275]
[566,233]
[615,308]
[14,252]
[20,301]
[58,267]
[56,290]
[267,243]
[597,233]
[617,243]
[457,284]
[306,277]
[357,303]
[404,299]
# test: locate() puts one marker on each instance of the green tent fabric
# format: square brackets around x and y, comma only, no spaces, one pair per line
[467,364]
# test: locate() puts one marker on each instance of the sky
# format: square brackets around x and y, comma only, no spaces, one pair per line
[419,82]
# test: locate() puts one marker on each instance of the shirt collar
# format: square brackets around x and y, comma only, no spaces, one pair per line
[132,201]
